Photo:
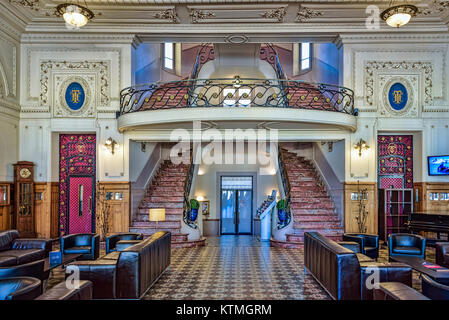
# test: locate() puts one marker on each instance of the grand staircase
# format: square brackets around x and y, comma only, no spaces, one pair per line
[311,207]
[166,190]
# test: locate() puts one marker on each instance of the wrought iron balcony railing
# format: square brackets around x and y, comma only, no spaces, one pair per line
[238,92]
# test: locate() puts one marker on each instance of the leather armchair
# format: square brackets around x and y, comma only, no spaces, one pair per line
[87,244]
[433,289]
[406,245]
[112,240]
[20,288]
[369,243]
[442,254]
[33,269]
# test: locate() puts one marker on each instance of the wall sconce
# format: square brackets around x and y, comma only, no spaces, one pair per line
[200,198]
[111,145]
[361,145]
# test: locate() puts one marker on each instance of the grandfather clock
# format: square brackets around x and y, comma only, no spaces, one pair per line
[24,220]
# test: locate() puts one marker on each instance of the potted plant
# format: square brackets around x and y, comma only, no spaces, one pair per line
[194,206]
[282,207]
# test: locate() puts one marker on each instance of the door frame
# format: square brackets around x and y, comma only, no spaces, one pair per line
[254,196]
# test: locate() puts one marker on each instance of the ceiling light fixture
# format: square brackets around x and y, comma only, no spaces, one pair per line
[399,15]
[74,14]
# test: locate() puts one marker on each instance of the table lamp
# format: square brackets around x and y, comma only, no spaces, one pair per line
[157,214]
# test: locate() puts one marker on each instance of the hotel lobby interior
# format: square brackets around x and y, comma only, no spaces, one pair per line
[224,150]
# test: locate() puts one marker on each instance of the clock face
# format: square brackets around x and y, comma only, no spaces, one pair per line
[25,173]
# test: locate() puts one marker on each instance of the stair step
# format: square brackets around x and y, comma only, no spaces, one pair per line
[164,198]
[168,211]
[316,199]
[316,225]
[300,239]
[148,205]
[157,183]
[160,224]
[315,217]
[312,211]
[326,232]
[168,217]
[311,205]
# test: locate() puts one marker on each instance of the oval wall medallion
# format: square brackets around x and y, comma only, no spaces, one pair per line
[397,96]
[75,96]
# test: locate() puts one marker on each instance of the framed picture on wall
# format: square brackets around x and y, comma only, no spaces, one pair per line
[205,207]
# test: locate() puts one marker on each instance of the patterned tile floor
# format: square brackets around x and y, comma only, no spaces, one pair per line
[231,267]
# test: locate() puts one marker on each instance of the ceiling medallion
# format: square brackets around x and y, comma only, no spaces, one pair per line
[74,15]
[304,14]
[278,14]
[399,15]
[32,4]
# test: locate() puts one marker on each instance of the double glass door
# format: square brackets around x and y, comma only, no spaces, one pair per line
[236,205]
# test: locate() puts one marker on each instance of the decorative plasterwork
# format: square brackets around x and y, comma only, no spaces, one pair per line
[278,14]
[61,109]
[437,7]
[236,38]
[305,14]
[197,15]
[373,68]
[31,4]
[247,13]
[168,14]
[411,83]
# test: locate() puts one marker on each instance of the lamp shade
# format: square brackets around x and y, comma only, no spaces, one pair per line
[157,214]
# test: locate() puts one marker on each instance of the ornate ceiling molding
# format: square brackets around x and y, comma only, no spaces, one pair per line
[436,7]
[31,4]
[236,39]
[168,14]
[197,15]
[305,14]
[278,14]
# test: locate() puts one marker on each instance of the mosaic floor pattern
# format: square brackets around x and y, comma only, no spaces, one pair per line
[239,268]
[236,268]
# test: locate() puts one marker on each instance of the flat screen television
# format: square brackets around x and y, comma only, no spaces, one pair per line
[438,165]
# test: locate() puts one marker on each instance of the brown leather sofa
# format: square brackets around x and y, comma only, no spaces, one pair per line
[442,254]
[345,274]
[127,274]
[15,251]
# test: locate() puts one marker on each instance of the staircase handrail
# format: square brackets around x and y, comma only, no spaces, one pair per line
[286,185]
[187,185]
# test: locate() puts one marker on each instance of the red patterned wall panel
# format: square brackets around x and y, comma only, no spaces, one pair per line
[77,155]
[395,161]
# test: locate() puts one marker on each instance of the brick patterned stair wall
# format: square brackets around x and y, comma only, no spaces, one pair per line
[166,190]
[311,207]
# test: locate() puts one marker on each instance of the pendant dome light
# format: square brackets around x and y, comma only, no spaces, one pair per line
[399,15]
[74,14]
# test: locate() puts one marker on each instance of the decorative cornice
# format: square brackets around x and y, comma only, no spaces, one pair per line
[305,14]
[437,7]
[197,15]
[278,14]
[169,14]
[31,4]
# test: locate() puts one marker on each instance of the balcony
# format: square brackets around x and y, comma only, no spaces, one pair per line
[236,99]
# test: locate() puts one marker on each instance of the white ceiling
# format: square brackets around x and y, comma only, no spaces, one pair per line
[184,20]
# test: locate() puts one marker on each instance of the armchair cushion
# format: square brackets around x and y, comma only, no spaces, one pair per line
[81,249]
[407,250]
[20,288]
[369,243]
[25,255]
[112,240]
